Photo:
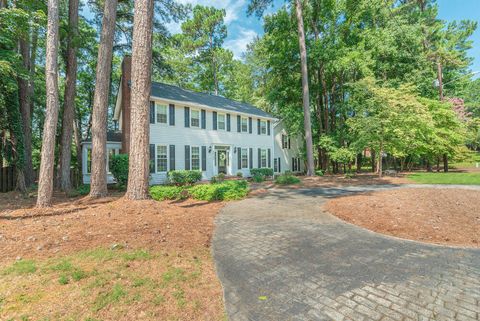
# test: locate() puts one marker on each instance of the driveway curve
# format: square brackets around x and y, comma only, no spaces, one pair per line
[280,257]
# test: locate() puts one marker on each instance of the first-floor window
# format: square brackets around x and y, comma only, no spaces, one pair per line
[195,158]
[244,158]
[263,158]
[162,162]
[195,118]
[110,154]
[275,165]
[221,121]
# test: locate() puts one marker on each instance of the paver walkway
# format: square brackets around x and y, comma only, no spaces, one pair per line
[279,257]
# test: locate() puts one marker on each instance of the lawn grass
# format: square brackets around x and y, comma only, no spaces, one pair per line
[446,178]
[111,284]
[470,162]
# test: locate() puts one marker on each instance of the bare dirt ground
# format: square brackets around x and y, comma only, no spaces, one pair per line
[442,216]
[108,259]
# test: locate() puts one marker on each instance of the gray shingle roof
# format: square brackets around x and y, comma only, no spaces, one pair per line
[111,137]
[170,92]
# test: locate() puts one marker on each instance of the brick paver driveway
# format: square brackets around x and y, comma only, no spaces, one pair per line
[279,257]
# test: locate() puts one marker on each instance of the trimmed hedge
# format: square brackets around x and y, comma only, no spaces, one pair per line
[262,171]
[184,177]
[226,191]
[119,168]
[287,179]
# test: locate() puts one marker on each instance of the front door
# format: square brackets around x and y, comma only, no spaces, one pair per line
[222,161]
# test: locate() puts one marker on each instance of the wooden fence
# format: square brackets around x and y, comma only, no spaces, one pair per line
[8,177]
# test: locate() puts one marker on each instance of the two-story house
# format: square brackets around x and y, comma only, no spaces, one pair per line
[198,131]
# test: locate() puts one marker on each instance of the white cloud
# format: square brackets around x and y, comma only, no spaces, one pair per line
[238,45]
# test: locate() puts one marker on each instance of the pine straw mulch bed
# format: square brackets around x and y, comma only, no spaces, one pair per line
[137,260]
[441,216]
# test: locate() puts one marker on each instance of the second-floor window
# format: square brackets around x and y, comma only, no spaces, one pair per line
[162,111]
[244,124]
[195,118]
[244,158]
[221,121]
[195,158]
[162,158]
[263,127]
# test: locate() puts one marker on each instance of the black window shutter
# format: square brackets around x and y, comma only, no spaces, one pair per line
[250,125]
[239,153]
[172,157]
[258,126]
[293,164]
[187,157]
[228,122]
[283,141]
[187,117]
[239,123]
[152,158]
[204,118]
[152,112]
[259,158]
[214,120]
[268,128]
[288,142]
[269,158]
[204,158]
[171,114]
[250,157]
[279,165]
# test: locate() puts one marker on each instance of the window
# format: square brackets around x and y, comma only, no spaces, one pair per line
[244,124]
[263,158]
[161,113]
[195,158]
[275,165]
[162,159]
[195,118]
[244,158]
[263,127]
[221,121]
[110,153]
[89,160]
[285,140]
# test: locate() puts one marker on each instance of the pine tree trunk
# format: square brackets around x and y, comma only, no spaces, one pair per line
[77,134]
[45,181]
[445,163]
[380,162]
[69,100]
[98,185]
[138,172]
[31,87]
[305,90]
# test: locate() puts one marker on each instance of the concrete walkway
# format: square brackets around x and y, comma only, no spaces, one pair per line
[279,257]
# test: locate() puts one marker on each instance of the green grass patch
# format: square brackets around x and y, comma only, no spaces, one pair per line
[22,267]
[137,255]
[114,295]
[446,178]
[287,179]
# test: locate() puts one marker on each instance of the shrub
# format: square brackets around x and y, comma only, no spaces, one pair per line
[226,191]
[262,171]
[258,178]
[184,177]
[319,172]
[287,179]
[239,174]
[163,192]
[217,179]
[119,168]
[82,190]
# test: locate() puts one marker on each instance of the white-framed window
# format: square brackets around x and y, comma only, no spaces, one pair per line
[162,113]
[162,159]
[275,164]
[221,121]
[263,127]
[263,158]
[110,153]
[195,118]
[195,151]
[285,140]
[244,155]
[244,124]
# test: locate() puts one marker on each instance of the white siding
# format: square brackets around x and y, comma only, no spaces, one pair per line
[286,154]
[179,135]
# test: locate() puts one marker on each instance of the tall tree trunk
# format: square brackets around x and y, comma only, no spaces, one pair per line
[77,134]
[45,181]
[305,89]
[98,185]
[69,100]
[138,170]
[24,102]
[380,161]
[440,80]
[33,59]
[445,163]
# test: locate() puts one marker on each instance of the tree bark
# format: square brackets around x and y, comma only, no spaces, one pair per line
[45,181]
[77,134]
[440,80]
[98,185]
[138,171]
[445,163]
[33,59]
[305,90]
[69,100]
[380,162]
